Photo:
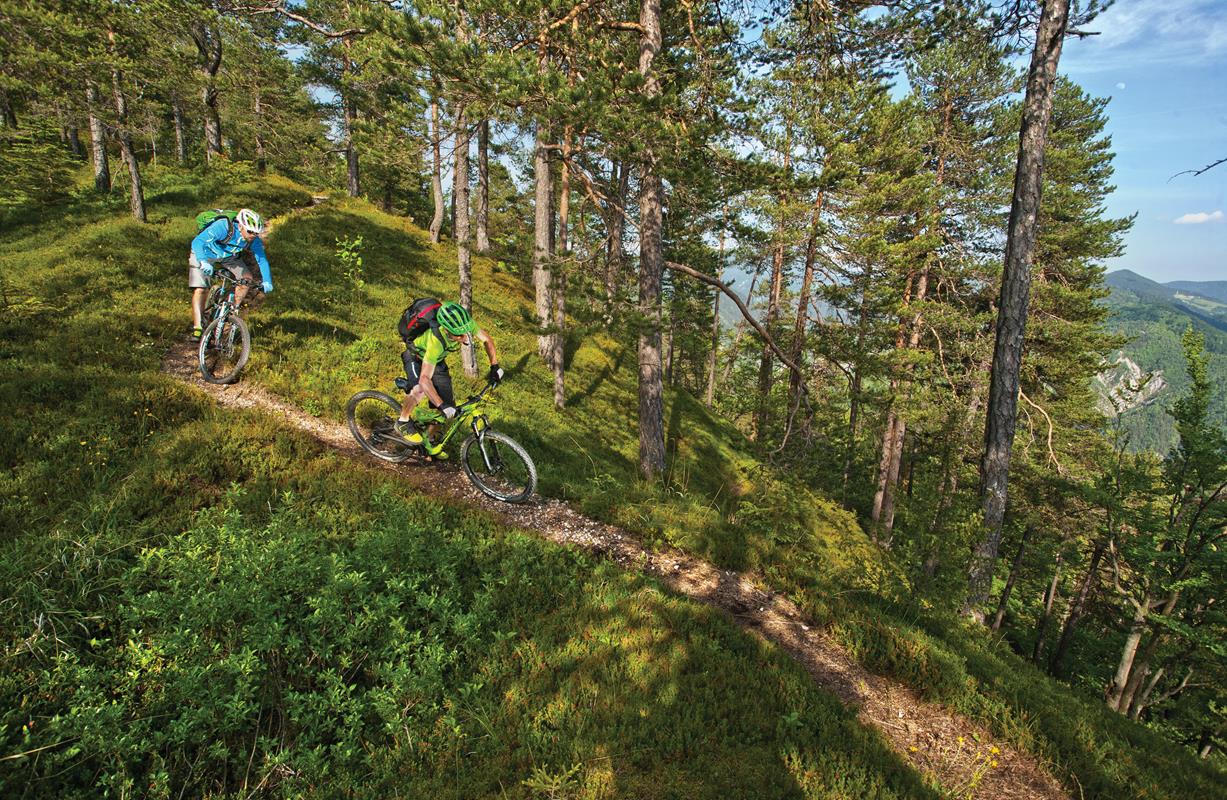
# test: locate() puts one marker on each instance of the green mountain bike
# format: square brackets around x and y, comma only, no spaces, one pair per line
[225,343]
[493,461]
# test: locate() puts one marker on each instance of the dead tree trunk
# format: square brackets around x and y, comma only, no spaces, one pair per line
[619,187]
[1015,291]
[542,225]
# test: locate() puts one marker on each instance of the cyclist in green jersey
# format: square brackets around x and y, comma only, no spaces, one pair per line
[425,359]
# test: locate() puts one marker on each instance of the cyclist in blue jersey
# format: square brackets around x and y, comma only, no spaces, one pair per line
[233,245]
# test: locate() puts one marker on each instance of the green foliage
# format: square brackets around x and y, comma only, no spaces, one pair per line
[35,167]
[202,603]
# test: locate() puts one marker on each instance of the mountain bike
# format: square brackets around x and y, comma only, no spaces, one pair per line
[225,343]
[493,461]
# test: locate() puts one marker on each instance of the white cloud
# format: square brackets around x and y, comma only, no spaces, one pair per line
[1120,85]
[1200,217]
[1150,32]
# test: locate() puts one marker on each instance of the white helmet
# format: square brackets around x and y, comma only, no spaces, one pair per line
[249,220]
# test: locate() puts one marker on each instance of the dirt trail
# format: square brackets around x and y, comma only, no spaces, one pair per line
[939,743]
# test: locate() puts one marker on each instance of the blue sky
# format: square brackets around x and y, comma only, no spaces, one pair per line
[1164,64]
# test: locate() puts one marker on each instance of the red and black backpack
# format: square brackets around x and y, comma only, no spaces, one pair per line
[418,318]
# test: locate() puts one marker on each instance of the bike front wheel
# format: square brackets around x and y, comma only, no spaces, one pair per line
[499,466]
[224,348]
[371,416]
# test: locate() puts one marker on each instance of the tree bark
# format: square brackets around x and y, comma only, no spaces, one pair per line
[136,196]
[258,110]
[74,141]
[98,144]
[1009,583]
[710,396]
[483,186]
[1015,290]
[1124,666]
[180,131]
[651,267]
[460,191]
[766,365]
[896,427]
[619,187]
[7,115]
[542,224]
[1056,665]
[1050,597]
[349,109]
[436,176]
[209,45]
[807,280]
[560,275]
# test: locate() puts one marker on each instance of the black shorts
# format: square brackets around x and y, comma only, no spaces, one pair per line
[442,379]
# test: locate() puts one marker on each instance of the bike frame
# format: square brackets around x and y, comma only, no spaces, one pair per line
[221,299]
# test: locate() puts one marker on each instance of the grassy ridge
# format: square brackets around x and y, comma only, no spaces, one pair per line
[718,501]
[117,522]
[198,602]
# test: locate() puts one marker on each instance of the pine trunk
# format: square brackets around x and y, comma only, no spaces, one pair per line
[460,191]
[807,280]
[180,131]
[7,115]
[98,143]
[436,176]
[136,195]
[619,187]
[1050,597]
[209,45]
[258,110]
[1015,290]
[1004,600]
[542,225]
[766,364]
[1056,665]
[710,397]
[74,141]
[651,268]
[349,108]
[1128,653]
[483,186]
[560,275]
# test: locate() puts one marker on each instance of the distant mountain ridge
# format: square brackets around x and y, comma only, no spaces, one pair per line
[1154,316]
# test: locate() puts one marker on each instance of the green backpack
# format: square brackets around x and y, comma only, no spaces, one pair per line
[206,218]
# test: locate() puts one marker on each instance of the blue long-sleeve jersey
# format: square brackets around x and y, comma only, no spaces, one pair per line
[212,244]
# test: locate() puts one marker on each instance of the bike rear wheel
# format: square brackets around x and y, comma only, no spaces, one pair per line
[224,349]
[499,466]
[371,416]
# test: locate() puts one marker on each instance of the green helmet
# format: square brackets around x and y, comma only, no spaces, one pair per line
[454,319]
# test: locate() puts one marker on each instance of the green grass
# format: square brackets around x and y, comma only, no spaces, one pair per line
[270,623]
[200,602]
[717,501]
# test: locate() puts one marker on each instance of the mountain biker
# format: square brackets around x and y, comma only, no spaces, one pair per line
[450,326]
[233,245]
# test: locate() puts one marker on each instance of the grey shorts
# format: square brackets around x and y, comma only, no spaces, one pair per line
[197,280]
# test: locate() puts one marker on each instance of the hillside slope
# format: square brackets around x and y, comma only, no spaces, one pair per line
[1154,316]
[141,581]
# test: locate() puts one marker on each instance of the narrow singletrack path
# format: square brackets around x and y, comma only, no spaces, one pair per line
[945,746]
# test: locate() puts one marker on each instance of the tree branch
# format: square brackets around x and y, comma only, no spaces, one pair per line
[280,10]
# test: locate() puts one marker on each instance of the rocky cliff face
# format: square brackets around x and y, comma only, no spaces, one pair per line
[1124,386]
